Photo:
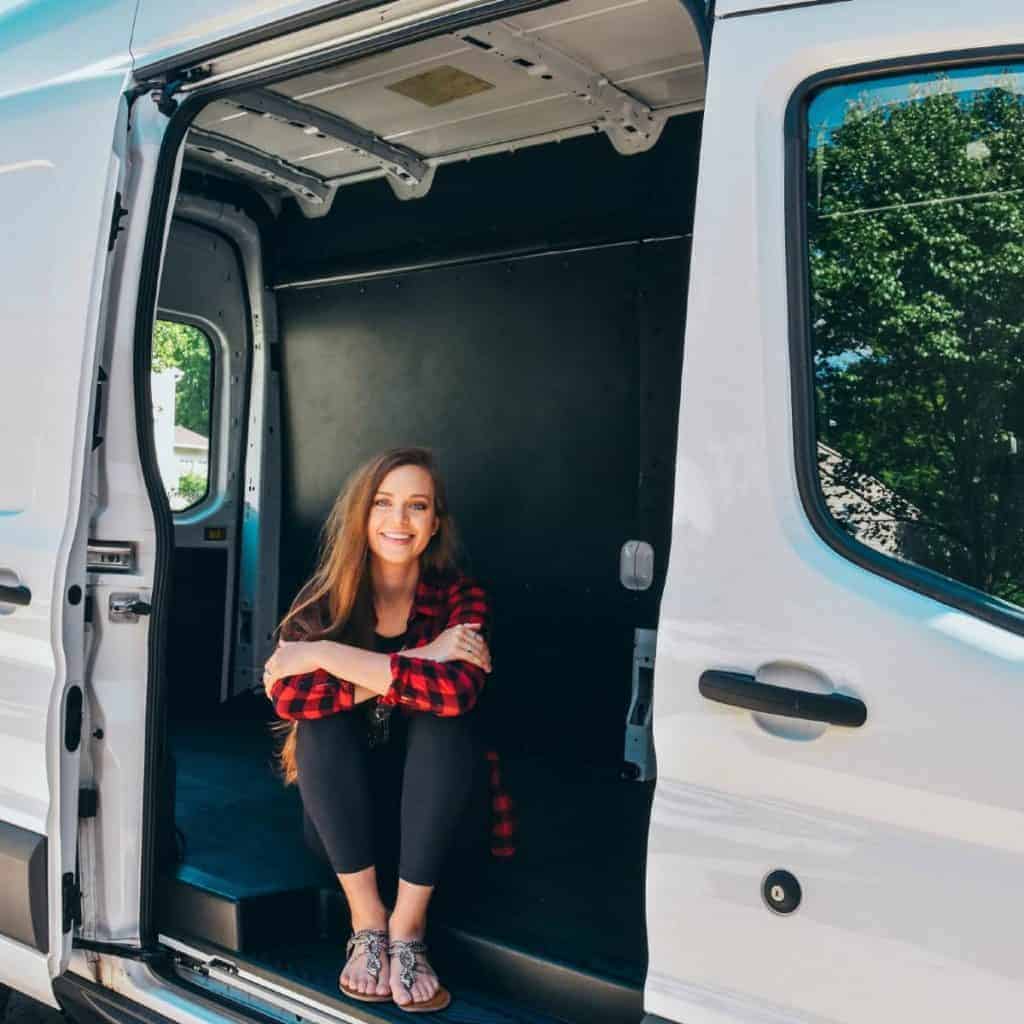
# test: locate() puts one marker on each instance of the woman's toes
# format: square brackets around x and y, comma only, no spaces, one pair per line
[401,995]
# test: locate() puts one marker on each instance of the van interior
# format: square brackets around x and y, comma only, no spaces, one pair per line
[477,242]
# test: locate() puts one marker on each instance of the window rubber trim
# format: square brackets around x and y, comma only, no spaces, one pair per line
[924,581]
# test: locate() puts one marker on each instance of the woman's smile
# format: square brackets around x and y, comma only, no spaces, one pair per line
[402,518]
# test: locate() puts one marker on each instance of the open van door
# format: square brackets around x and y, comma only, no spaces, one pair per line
[838,824]
[63,125]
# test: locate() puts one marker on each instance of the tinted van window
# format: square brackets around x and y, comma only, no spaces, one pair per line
[915,194]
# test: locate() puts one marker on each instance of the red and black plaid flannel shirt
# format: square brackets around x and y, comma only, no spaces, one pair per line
[444,688]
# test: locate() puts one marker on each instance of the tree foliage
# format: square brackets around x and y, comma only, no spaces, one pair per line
[916,223]
[191,487]
[187,349]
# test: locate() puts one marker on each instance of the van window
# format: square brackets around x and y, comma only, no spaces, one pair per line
[915,246]
[182,379]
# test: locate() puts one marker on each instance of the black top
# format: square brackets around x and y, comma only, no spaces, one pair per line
[387,644]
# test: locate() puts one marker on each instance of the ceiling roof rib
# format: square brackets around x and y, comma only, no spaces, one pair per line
[254,161]
[631,125]
[604,67]
[407,172]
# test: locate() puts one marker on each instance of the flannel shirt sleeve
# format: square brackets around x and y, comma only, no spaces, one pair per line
[314,694]
[445,688]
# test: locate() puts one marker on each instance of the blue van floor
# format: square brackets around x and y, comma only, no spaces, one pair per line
[573,893]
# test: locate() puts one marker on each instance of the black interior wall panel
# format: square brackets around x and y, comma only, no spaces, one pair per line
[530,381]
[548,388]
[559,195]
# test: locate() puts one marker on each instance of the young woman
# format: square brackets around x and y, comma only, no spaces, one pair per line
[380,662]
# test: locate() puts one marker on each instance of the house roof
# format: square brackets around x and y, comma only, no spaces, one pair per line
[185,438]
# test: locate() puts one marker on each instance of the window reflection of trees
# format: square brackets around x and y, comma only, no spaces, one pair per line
[916,231]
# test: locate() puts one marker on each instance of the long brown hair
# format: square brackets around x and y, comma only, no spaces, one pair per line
[336,603]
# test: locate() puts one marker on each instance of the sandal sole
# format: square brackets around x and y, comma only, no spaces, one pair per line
[439,1001]
[364,997]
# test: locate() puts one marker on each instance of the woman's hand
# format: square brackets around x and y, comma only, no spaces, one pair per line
[292,658]
[456,643]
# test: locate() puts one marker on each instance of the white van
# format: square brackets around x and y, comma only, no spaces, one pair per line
[249,243]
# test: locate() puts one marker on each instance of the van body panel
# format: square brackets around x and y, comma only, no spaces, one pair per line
[738,8]
[164,31]
[23,886]
[47,44]
[56,202]
[906,835]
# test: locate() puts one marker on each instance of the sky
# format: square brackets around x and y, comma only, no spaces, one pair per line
[828,108]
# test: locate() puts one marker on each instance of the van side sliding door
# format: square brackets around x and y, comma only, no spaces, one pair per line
[838,826]
[63,131]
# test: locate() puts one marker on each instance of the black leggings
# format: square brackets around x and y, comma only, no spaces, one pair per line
[350,792]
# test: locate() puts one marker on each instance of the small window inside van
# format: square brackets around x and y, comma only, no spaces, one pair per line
[182,378]
[915,250]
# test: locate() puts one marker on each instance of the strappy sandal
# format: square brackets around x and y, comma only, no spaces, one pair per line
[373,944]
[407,950]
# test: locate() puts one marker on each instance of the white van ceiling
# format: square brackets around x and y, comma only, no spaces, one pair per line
[585,66]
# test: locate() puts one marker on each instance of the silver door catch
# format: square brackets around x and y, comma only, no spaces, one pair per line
[128,607]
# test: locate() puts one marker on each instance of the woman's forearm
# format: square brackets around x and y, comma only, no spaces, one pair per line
[366,669]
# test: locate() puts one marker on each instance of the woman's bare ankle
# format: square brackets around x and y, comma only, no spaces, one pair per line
[366,909]
[405,926]
[370,917]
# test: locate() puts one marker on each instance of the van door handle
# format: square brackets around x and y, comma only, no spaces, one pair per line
[15,594]
[742,691]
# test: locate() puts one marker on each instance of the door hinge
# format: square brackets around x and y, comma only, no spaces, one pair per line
[162,93]
[144,954]
[116,227]
[71,901]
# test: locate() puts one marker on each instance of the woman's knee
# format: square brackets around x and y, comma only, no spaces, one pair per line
[450,739]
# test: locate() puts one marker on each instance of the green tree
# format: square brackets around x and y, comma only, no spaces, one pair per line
[191,487]
[916,223]
[187,349]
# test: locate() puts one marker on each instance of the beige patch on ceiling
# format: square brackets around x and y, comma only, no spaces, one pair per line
[440,85]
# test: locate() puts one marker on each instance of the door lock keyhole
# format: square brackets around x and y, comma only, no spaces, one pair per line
[781,891]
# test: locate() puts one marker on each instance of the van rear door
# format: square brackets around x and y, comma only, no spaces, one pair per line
[838,825]
[62,130]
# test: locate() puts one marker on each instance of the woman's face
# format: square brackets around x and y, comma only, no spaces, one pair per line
[402,519]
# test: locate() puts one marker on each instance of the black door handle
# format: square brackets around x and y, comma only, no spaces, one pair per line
[742,691]
[15,595]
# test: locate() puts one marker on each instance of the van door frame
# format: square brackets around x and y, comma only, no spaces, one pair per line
[177,87]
